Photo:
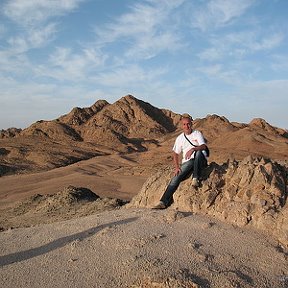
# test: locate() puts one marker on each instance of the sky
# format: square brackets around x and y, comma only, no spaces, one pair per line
[204,57]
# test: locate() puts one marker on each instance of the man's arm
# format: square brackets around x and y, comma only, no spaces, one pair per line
[190,152]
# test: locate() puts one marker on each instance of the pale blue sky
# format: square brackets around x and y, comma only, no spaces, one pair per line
[224,57]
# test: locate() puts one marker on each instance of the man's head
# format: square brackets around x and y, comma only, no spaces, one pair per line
[186,122]
[186,115]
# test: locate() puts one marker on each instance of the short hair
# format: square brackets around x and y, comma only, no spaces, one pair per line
[187,116]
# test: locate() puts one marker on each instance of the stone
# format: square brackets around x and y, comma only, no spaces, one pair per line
[245,192]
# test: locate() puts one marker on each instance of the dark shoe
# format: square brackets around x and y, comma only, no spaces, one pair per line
[195,183]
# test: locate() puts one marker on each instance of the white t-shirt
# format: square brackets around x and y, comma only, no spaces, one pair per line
[182,145]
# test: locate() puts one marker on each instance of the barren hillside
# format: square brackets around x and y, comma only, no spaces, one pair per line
[129,126]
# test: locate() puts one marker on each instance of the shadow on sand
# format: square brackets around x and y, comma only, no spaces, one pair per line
[28,254]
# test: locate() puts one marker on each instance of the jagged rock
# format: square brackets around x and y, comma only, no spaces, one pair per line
[10,132]
[249,192]
[79,116]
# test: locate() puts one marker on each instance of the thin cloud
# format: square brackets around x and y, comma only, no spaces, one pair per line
[218,13]
[211,54]
[34,38]
[46,101]
[128,76]
[3,30]
[151,46]
[13,64]
[145,31]
[40,37]
[14,57]
[142,19]
[279,63]
[29,30]
[269,42]
[33,12]
[267,90]
[240,45]
[64,64]
[221,73]
[211,70]
[254,40]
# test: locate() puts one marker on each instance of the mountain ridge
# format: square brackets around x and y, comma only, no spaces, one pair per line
[130,125]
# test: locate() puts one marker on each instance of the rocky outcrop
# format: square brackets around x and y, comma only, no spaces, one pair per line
[252,192]
[78,116]
[69,202]
[9,133]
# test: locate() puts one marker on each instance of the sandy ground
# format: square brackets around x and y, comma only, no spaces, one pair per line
[127,247]
[107,176]
[140,248]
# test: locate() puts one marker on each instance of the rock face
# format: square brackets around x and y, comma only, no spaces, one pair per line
[10,132]
[250,192]
[125,125]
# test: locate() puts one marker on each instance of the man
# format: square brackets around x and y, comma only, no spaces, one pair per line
[192,145]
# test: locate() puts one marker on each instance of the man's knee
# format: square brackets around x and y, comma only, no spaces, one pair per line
[199,155]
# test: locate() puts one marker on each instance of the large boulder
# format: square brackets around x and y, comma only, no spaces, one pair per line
[250,192]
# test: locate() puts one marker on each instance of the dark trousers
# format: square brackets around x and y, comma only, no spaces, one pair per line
[193,166]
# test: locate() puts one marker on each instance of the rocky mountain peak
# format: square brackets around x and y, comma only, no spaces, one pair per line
[260,123]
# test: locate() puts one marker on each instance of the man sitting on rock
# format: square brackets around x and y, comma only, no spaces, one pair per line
[194,159]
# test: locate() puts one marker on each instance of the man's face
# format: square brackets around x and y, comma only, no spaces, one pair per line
[186,125]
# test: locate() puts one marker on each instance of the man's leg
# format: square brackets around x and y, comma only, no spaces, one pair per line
[199,164]
[186,171]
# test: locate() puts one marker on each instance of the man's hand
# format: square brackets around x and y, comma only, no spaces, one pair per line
[177,171]
[189,153]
